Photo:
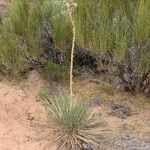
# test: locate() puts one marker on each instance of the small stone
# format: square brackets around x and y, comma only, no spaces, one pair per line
[22,94]
[5,93]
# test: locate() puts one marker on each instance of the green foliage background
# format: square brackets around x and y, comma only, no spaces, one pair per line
[101,25]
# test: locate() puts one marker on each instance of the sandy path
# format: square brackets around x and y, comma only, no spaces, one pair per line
[18,107]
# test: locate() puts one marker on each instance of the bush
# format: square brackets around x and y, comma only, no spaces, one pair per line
[11,55]
[21,33]
[118,29]
[76,125]
[55,71]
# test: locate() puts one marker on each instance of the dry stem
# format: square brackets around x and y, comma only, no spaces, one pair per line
[73,45]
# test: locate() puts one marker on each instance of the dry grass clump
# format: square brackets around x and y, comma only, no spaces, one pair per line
[76,124]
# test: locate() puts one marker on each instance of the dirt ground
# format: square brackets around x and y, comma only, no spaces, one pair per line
[20,108]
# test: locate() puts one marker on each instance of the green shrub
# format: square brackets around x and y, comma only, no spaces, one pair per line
[21,33]
[76,124]
[106,26]
[118,29]
[11,55]
[19,16]
[55,71]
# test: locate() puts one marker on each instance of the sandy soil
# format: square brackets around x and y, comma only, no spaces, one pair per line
[19,108]
[131,133]
[22,114]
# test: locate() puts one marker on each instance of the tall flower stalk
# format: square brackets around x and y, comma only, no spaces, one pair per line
[69,9]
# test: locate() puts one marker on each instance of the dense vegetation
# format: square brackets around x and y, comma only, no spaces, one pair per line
[119,30]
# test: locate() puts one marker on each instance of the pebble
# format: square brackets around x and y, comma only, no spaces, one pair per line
[22,94]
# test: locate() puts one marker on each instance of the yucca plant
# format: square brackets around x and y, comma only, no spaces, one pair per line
[76,125]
